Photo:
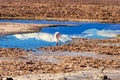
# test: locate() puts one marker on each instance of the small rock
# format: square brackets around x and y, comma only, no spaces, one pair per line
[1,78]
[62,79]
[9,78]
[100,77]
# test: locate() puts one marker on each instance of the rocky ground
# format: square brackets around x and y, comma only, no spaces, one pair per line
[75,10]
[17,62]
[30,64]
[107,46]
[12,52]
[89,74]
[23,63]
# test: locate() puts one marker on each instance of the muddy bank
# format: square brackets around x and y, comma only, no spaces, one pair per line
[77,10]
[89,45]
[15,28]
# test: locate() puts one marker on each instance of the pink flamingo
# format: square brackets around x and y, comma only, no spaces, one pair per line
[57,36]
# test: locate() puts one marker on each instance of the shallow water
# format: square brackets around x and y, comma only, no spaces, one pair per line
[46,36]
[41,21]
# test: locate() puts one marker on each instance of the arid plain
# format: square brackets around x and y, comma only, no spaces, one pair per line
[82,59]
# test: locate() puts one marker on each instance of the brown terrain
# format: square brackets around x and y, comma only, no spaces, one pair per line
[11,65]
[11,52]
[18,62]
[107,46]
[75,10]
[14,62]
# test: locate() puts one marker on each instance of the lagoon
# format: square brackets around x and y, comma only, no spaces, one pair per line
[46,38]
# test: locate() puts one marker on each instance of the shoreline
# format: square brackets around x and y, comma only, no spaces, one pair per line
[31,28]
[18,28]
[60,19]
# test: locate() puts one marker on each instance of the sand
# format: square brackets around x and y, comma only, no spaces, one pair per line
[16,28]
[89,74]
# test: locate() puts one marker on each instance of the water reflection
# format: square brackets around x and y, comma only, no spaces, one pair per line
[14,41]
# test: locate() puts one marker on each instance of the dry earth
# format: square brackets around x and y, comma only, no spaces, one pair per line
[11,52]
[75,10]
[89,74]
[107,46]
[16,62]
[26,64]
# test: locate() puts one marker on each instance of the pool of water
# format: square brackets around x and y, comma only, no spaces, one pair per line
[41,21]
[46,36]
